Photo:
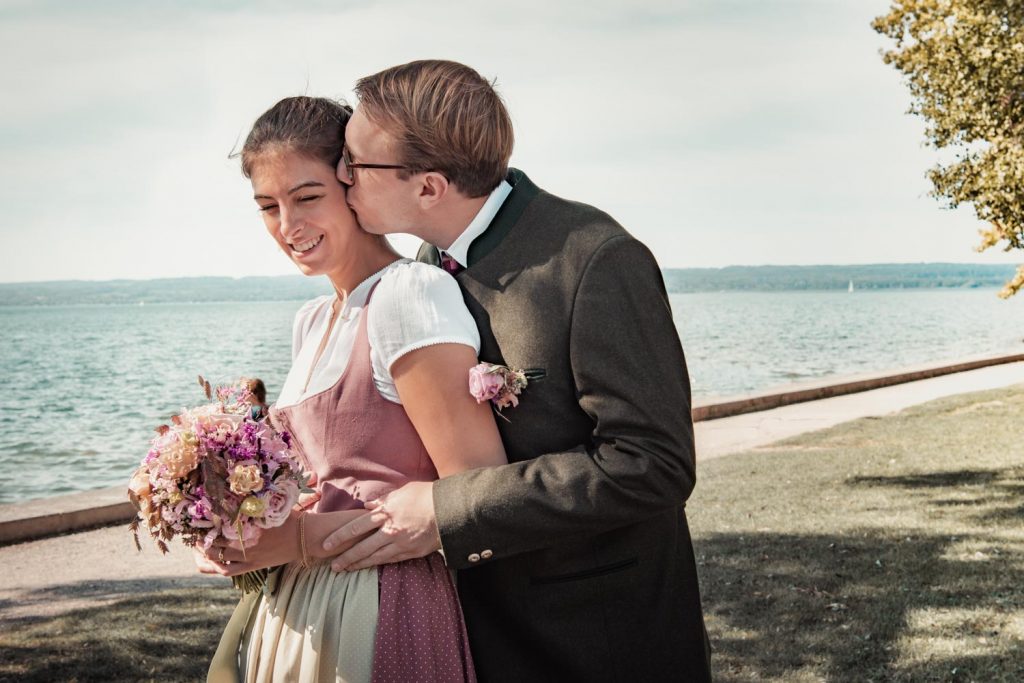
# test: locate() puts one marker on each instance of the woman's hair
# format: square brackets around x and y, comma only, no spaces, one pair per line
[445,117]
[310,126]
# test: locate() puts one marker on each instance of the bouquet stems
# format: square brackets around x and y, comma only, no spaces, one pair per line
[251,582]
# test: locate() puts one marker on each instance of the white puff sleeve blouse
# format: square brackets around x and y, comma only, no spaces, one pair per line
[415,305]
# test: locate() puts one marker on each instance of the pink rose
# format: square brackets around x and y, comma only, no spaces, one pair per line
[279,504]
[250,533]
[210,536]
[484,385]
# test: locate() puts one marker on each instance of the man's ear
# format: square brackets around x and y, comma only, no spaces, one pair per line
[433,188]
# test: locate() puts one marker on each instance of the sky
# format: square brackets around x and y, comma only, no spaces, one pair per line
[719,132]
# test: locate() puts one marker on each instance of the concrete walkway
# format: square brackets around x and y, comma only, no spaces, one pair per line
[54,575]
[743,432]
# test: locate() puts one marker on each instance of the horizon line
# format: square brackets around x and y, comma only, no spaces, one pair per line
[664,269]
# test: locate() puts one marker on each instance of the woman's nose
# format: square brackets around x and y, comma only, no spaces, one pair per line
[290,224]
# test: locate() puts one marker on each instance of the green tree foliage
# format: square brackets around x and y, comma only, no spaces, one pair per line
[964,63]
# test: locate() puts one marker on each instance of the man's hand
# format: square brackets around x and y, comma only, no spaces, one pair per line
[405,524]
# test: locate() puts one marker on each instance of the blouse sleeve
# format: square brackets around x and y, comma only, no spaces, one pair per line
[416,305]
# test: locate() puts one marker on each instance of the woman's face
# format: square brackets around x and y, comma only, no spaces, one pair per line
[304,208]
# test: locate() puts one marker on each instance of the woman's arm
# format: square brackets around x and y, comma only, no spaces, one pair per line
[458,433]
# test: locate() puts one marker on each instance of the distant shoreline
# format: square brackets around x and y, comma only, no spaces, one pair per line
[297,300]
[677,281]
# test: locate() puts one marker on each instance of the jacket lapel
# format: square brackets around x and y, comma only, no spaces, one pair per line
[523,192]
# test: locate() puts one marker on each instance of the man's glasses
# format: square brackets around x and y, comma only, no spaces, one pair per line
[348,164]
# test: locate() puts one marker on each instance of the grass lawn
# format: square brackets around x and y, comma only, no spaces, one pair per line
[884,549]
[160,636]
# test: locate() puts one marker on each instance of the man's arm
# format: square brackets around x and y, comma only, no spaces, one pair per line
[631,380]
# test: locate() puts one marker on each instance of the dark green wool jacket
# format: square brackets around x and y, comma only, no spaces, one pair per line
[575,559]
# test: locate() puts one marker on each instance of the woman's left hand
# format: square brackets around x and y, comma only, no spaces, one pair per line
[276,546]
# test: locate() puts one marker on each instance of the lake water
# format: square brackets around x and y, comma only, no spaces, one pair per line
[82,387]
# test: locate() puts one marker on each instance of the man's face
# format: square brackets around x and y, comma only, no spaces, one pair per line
[383,202]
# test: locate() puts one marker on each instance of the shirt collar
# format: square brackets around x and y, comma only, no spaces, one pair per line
[459,249]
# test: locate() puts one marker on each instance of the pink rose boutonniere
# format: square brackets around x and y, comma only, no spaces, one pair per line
[499,384]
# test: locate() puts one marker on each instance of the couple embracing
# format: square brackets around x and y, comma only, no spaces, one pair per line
[445,544]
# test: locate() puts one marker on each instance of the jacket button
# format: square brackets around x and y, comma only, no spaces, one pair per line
[486,554]
[473,557]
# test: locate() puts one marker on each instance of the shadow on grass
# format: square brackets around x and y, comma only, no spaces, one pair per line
[994,495]
[23,609]
[849,607]
[162,635]
[931,479]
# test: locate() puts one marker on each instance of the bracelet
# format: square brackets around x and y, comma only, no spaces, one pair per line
[302,540]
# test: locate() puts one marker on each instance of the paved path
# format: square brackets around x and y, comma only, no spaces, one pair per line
[86,569]
[54,575]
[743,432]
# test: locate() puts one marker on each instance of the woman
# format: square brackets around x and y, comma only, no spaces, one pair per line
[376,397]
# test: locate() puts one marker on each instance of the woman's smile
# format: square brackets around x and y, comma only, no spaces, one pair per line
[303,249]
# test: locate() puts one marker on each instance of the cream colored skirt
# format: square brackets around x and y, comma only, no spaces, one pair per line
[317,625]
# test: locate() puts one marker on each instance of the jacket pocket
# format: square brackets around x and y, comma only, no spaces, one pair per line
[535,374]
[586,573]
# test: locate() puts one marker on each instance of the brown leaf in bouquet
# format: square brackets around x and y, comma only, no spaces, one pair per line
[207,389]
[215,482]
[134,528]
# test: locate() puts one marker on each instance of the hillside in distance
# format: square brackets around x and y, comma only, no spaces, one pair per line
[871,276]
[164,290]
[677,280]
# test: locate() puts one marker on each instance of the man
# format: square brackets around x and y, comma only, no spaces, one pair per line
[575,561]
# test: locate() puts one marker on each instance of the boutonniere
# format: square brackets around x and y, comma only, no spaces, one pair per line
[499,384]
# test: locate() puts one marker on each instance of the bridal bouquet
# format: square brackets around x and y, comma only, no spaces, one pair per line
[219,470]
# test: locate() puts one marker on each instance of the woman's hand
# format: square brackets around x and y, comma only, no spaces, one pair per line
[275,546]
[226,558]
[280,545]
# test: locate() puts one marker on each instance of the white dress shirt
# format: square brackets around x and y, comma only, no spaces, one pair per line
[459,249]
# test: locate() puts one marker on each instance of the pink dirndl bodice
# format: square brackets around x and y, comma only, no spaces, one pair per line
[361,446]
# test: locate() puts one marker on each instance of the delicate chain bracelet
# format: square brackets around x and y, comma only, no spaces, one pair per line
[302,539]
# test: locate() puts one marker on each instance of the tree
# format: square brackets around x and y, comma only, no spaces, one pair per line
[964,64]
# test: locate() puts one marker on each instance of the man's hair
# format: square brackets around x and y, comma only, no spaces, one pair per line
[445,118]
[310,126]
